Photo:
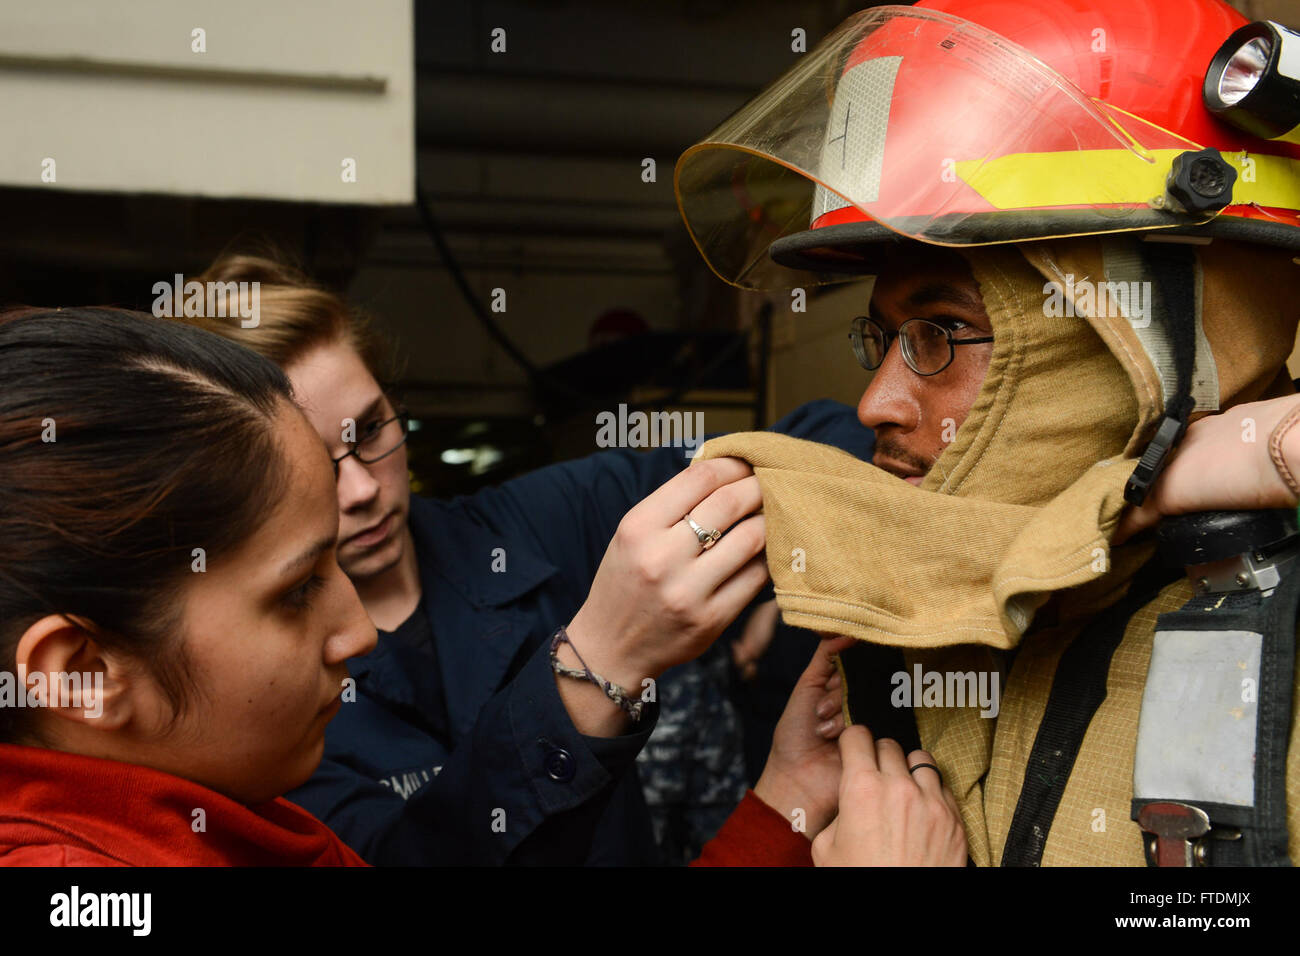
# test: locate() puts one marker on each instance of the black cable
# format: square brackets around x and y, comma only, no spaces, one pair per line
[485,319]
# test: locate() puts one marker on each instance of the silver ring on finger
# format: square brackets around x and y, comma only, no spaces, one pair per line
[707,537]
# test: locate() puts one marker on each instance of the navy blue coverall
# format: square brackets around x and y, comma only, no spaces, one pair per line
[473,759]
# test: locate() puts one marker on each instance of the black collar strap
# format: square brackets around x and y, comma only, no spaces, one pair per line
[1174,267]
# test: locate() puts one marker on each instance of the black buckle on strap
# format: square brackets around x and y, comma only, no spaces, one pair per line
[1172,428]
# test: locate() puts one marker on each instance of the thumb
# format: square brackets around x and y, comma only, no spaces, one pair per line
[822,665]
[1133,521]
[823,843]
[857,754]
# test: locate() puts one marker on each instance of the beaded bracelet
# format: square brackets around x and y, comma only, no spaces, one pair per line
[613,691]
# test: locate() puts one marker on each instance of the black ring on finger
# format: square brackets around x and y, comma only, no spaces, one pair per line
[931,766]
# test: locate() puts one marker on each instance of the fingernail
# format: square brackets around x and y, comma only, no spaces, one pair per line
[834,682]
[826,708]
[826,728]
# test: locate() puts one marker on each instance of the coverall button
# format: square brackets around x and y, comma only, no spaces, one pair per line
[560,765]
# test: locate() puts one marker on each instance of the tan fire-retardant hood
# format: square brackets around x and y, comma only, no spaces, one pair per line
[1022,501]
[1020,506]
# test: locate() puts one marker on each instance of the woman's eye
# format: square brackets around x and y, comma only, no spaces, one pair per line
[300,597]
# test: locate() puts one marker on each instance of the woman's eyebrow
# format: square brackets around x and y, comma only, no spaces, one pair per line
[307,557]
[371,409]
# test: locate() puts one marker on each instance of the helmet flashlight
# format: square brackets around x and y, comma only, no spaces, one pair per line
[1253,81]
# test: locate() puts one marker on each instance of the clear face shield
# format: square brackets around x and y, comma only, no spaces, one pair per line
[931,127]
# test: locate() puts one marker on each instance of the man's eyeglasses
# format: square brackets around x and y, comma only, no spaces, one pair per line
[928,347]
[377,440]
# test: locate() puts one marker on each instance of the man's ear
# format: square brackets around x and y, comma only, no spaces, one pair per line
[63,671]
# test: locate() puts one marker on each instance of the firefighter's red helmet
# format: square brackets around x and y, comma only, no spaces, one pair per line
[968,122]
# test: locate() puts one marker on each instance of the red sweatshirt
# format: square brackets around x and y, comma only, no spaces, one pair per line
[756,835]
[59,809]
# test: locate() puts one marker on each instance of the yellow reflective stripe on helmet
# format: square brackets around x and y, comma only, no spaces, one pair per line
[1265,180]
[1100,177]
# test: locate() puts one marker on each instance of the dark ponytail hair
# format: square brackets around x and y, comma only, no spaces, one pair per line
[163,441]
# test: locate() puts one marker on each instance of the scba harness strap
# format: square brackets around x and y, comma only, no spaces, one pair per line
[1210,768]
[1209,778]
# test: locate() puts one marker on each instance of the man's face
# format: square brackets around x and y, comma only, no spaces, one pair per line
[915,416]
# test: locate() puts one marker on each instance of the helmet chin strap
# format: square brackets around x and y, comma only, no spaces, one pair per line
[1174,267]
